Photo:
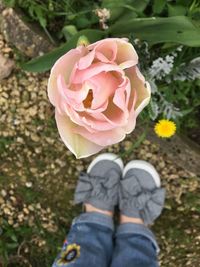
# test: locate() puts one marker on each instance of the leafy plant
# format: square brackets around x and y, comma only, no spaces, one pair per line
[159,30]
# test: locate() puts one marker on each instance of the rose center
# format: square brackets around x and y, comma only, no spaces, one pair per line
[88,100]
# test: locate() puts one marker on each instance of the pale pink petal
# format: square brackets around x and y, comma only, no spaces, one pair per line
[108,50]
[79,118]
[127,64]
[69,95]
[82,75]
[107,47]
[98,110]
[63,66]
[101,57]
[131,123]
[76,143]
[105,85]
[114,115]
[86,61]
[122,95]
[96,121]
[142,88]
[145,101]
[130,126]
[103,138]
[105,52]
[107,40]
[126,54]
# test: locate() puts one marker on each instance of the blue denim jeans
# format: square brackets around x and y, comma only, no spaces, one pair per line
[92,242]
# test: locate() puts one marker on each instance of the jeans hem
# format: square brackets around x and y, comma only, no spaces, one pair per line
[139,229]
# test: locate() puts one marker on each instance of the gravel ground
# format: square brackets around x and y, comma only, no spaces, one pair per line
[38,176]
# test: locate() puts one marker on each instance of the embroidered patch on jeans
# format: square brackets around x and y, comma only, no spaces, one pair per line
[70,254]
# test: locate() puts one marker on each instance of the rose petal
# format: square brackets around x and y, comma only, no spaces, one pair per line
[140,105]
[96,121]
[122,95]
[86,61]
[76,143]
[103,138]
[63,66]
[130,126]
[105,50]
[82,75]
[108,50]
[143,90]
[105,85]
[112,118]
[72,96]
[126,54]
[77,118]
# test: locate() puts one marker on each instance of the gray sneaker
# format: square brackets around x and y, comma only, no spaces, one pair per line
[140,195]
[100,185]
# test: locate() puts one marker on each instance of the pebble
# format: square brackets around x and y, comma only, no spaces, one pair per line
[29,184]
[1,200]
[7,211]
[3,193]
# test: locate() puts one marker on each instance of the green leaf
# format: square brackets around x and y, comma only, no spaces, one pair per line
[120,7]
[140,5]
[159,30]
[174,10]
[158,6]
[183,2]
[46,61]
[40,16]
[82,22]
[14,238]
[127,15]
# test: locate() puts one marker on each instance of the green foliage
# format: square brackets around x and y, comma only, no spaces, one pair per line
[158,6]
[159,30]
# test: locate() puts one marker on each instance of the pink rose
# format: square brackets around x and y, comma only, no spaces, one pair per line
[98,91]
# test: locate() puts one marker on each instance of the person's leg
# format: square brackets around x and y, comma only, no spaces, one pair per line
[141,202]
[90,240]
[135,247]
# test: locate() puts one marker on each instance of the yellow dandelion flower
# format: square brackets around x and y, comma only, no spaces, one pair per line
[165,128]
[70,254]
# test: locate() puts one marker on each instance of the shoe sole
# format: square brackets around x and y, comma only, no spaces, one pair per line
[106,156]
[143,165]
